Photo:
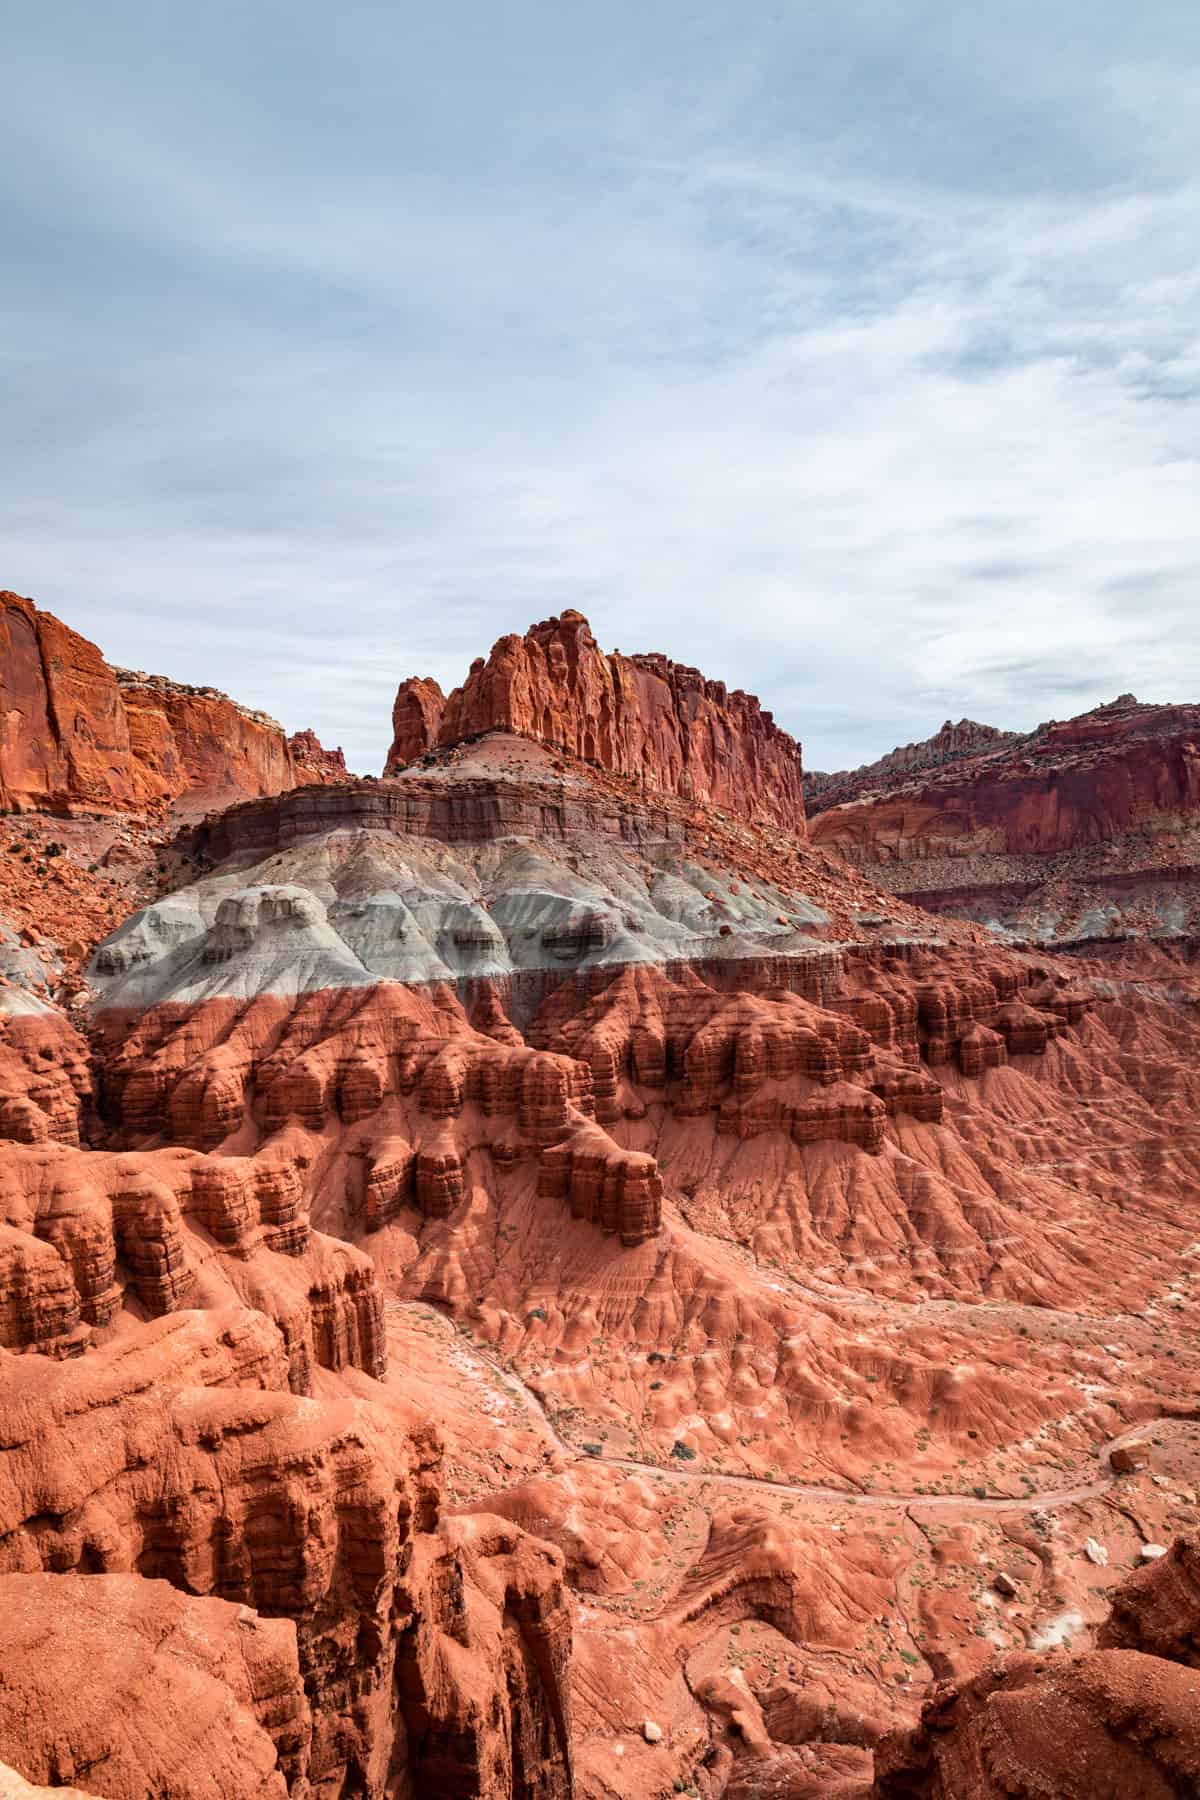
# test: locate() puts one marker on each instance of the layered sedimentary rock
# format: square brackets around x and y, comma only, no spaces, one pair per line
[800,1269]
[45,1075]
[180,1695]
[77,734]
[85,1235]
[1088,828]
[951,743]
[406,1066]
[641,716]
[352,1642]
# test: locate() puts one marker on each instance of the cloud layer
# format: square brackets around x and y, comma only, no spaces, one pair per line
[849,351]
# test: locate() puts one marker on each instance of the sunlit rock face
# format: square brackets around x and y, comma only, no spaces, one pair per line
[643,716]
[78,734]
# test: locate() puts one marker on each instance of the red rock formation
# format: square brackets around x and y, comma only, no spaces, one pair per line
[77,734]
[641,716]
[433,1657]
[64,735]
[1085,828]
[45,1078]
[1158,1608]
[1069,785]
[200,1075]
[312,762]
[148,1690]
[1110,1722]
[197,742]
[793,1292]
[83,1234]
[416,720]
[1123,1719]
[775,1061]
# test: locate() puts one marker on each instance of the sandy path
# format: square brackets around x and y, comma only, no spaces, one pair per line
[1044,1500]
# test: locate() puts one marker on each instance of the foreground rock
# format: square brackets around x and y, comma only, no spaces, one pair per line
[180,1694]
[367,1644]
[1122,1720]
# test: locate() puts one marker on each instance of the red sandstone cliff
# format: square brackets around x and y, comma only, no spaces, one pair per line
[77,734]
[642,716]
[311,760]
[416,719]
[237,1591]
[1070,784]
[1088,827]
[64,734]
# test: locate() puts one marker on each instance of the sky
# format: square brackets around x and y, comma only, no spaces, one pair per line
[846,349]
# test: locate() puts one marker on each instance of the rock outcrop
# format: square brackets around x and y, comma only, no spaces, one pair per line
[1107,1723]
[313,763]
[1123,1719]
[77,734]
[84,1235]
[641,716]
[320,1065]
[1085,829]
[149,1690]
[64,734]
[1158,1609]
[341,1639]
[416,720]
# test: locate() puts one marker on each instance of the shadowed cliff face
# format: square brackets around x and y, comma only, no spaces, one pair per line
[77,734]
[642,716]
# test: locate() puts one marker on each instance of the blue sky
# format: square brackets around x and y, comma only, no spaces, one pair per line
[850,351]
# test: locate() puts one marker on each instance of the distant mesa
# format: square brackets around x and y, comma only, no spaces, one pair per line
[1087,829]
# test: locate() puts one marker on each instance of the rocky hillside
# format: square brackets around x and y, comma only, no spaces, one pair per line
[951,744]
[1086,830]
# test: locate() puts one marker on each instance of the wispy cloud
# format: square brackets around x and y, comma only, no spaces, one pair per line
[851,355]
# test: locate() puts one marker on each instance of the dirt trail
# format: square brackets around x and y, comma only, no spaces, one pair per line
[1046,1499]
